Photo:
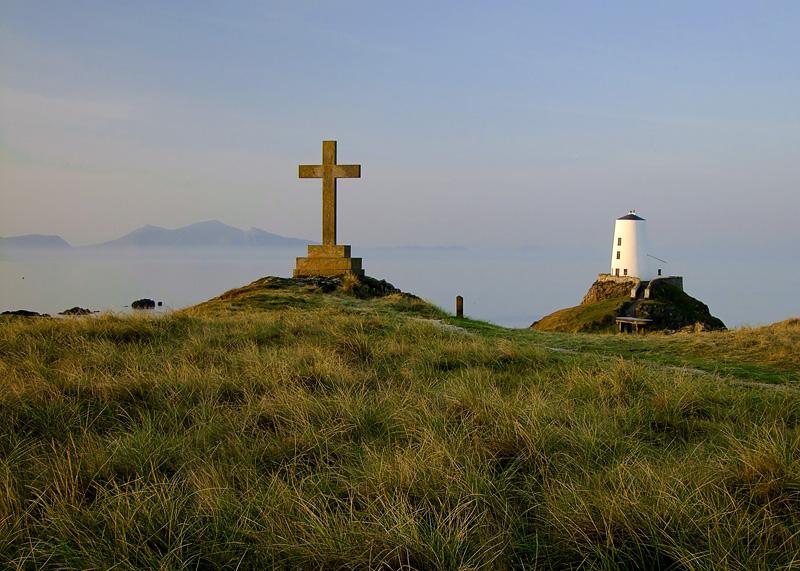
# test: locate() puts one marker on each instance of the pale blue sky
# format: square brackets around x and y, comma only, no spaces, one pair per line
[476,123]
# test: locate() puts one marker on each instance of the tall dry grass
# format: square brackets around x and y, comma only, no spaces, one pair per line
[775,344]
[367,439]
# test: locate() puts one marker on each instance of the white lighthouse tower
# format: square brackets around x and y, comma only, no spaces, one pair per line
[629,252]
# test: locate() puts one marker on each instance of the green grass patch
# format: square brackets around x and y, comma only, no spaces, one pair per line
[764,354]
[598,316]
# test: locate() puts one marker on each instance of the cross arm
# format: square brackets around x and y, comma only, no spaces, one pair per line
[347,171]
[310,171]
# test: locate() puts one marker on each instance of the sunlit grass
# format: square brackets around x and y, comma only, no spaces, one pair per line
[346,433]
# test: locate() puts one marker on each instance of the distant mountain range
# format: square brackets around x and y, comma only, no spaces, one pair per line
[35,241]
[210,234]
[196,241]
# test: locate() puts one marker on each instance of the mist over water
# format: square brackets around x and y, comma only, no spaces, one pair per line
[512,289]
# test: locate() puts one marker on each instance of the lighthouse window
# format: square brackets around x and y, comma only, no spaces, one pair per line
[618,254]
[626,271]
[619,242]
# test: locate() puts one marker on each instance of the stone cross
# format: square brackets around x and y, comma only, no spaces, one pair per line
[329,171]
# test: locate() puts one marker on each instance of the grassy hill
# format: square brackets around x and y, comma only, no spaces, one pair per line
[325,425]
[668,308]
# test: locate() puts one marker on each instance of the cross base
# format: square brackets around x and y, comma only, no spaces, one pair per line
[328,261]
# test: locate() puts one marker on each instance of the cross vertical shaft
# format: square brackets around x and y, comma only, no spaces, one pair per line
[328,193]
[329,171]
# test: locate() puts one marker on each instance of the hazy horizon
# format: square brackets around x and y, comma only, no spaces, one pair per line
[510,286]
[508,290]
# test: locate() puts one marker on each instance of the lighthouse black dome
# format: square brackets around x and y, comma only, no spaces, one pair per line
[631,216]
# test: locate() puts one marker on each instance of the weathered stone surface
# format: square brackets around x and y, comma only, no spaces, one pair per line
[143,304]
[329,259]
[329,172]
[330,263]
[328,251]
[607,289]
[317,270]
[344,264]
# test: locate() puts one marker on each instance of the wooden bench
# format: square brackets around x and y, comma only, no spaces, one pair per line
[633,324]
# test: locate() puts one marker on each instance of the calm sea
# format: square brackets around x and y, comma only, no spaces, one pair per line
[510,290]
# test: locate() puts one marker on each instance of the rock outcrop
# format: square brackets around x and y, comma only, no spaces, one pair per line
[609,289]
[75,311]
[663,301]
[24,313]
[143,304]
[672,308]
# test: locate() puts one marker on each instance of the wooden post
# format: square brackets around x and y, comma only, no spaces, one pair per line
[459,306]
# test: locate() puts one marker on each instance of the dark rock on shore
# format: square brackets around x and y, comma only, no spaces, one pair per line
[76,311]
[143,304]
[24,313]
